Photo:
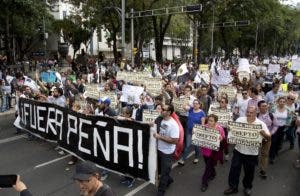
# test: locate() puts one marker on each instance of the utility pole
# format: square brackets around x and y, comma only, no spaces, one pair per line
[123,27]
[132,36]
[212,33]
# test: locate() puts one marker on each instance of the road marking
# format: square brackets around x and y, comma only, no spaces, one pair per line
[10,139]
[142,186]
[52,161]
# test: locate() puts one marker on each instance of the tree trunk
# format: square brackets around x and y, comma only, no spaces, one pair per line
[159,33]
[115,50]
[7,41]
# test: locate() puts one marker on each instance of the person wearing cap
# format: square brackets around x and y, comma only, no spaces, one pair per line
[104,108]
[87,177]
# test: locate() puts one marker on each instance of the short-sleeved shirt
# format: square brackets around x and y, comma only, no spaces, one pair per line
[250,150]
[168,128]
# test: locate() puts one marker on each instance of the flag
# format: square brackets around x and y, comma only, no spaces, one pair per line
[179,145]
[31,83]
[182,70]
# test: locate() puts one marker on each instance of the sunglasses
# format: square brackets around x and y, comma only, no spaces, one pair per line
[291,98]
[244,93]
[164,109]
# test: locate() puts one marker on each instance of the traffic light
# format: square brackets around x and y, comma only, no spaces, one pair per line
[134,50]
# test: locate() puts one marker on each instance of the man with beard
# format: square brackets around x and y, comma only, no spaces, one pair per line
[57,97]
[87,177]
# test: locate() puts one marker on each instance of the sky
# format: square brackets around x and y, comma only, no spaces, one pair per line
[293,2]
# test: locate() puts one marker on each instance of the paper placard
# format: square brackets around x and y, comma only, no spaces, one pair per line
[92,91]
[224,78]
[206,137]
[229,90]
[131,94]
[223,115]
[179,104]
[154,86]
[295,65]
[273,68]
[203,67]
[150,115]
[244,134]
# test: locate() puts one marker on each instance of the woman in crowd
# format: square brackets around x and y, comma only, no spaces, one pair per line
[211,157]
[292,107]
[195,116]
[281,114]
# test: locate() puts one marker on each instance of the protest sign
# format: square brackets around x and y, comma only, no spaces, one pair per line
[244,134]
[153,86]
[223,115]
[273,68]
[92,91]
[122,146]
[203,68]
[230,91]
[223,78]
[266,61]
[180,103]
[150,115]
[206,137]
[295,65]
[131,94]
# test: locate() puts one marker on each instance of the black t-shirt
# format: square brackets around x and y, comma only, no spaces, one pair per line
[105,190]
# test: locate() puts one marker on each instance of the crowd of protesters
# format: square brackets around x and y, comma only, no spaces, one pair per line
[262,101]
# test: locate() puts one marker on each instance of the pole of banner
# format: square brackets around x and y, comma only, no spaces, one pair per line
[132,36]
[123,28]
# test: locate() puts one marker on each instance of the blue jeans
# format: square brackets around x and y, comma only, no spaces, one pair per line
[4,103]
[188,144]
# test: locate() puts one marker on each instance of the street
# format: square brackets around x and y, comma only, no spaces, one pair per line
[47,173]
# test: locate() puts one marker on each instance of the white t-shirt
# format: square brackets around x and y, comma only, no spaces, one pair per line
[281,117]
[168,128]
[250,150]
[242,105]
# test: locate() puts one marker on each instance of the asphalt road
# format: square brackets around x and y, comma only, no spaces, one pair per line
[47,174]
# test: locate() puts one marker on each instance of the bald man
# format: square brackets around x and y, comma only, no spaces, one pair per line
[245,156]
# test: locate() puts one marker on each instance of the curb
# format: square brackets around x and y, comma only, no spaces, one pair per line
[8,113]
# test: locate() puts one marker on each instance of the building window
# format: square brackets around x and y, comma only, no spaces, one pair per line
[64,14]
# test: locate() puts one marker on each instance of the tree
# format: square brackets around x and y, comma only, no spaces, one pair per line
[20,25]
[73,31]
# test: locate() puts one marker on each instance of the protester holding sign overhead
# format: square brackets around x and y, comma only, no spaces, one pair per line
[210,156]
[245,156]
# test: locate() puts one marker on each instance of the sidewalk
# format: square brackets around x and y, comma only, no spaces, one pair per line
[11,111]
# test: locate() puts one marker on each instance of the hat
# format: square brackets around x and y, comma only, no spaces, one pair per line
[104,100]
[85,170]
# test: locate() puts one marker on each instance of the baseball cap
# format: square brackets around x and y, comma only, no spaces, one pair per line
[85,170]
[105,100]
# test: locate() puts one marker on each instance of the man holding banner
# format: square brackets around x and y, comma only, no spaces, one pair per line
[245,154]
